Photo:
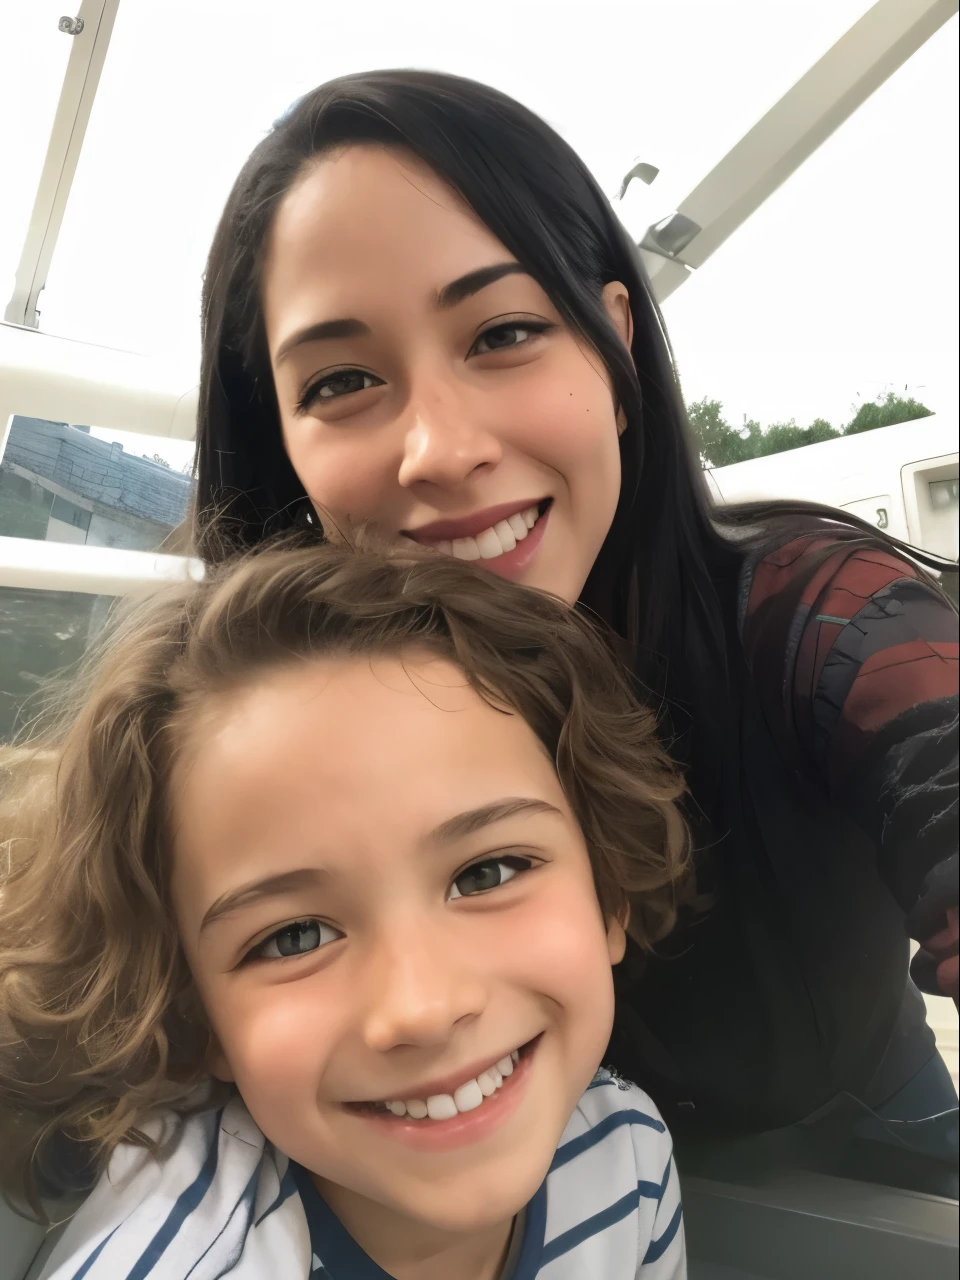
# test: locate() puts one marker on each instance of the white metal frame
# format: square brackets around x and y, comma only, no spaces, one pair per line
[49,377]
[79,89]
[827,95]
[100,571]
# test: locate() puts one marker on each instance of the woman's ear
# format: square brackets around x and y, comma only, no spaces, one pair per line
[616,299]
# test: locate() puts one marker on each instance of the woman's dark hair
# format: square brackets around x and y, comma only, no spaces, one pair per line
[654,580]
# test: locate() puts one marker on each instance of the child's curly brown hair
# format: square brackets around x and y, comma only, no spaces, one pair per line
[99,1022]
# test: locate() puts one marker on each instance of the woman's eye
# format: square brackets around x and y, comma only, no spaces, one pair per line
[483,876]
[335,385]
[503,336]
[297,939]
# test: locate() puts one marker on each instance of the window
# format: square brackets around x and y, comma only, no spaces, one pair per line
[65,483]
[41,633]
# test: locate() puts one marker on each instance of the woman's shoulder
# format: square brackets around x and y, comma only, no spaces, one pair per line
[831,569]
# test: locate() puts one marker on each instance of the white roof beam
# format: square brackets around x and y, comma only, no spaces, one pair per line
[93,26]
[828,94]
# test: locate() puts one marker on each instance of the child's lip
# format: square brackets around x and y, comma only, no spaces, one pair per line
[437,1136]
[443,1084]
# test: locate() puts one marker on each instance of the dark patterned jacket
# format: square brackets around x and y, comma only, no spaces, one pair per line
[842,843]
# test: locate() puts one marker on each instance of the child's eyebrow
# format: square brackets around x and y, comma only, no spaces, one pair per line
[301,878]
[458,827]
[473,820]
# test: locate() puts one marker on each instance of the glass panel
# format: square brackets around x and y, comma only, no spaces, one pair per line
[33,58]
[41,633]
[674,83]
[63,483]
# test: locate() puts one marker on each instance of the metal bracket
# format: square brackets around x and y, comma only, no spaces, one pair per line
[71,26]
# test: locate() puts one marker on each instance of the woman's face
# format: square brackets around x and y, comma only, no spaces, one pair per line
[427,384]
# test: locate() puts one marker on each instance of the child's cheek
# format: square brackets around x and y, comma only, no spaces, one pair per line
[279,1041]
[559,950]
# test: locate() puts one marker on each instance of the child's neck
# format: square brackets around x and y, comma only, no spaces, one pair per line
[409,1250]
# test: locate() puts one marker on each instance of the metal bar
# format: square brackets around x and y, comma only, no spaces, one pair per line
[27,563]
[42,376]
[829,93]
[80,82]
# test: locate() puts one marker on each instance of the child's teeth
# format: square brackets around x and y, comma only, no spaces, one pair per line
[441,1107]
[469,1096]
[444,1106]
[487,1083]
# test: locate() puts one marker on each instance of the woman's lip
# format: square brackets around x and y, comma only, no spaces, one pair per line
[469,526]
[461,1129]
[512,563]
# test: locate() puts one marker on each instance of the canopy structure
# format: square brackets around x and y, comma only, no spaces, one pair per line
[47,376]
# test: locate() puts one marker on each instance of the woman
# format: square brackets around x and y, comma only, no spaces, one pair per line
[420,312]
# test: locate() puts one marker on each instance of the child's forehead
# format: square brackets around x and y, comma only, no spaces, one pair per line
[352,761]
[357,718]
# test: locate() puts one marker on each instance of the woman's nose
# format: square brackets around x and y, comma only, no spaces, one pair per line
[418,995]
[441,445]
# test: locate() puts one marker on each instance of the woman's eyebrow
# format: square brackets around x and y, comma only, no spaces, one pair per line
[324,329]
[451,295]
[466,286]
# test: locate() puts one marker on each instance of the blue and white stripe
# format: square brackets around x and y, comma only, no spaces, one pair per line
[613,1198]
[224,1202]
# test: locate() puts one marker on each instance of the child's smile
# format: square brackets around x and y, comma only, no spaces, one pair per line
[390,912]
[443,1114]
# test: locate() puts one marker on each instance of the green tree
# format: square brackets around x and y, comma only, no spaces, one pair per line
[885,413]
[717,441]
[721,445]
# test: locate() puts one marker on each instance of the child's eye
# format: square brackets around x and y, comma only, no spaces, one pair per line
[483,876]
[502,336]
[296,939]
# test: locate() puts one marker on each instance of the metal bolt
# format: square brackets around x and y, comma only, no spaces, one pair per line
[70,26]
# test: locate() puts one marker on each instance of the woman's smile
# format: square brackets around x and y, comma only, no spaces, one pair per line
[505,538]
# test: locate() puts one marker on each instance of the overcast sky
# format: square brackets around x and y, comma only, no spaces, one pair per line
[843,284]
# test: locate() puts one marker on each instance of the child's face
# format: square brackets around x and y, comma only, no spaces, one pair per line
[397,896]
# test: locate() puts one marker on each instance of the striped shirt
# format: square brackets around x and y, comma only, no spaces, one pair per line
[223,1201]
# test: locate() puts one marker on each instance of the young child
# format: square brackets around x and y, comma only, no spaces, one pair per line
[312,949]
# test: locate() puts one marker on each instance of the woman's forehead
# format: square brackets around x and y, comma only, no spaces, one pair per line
[366,216]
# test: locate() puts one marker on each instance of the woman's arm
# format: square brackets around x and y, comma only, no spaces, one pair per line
[875,705]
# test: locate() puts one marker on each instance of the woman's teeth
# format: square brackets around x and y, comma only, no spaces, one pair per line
[444,1106]
[495,541]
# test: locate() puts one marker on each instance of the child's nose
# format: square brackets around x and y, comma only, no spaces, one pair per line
[417,994]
